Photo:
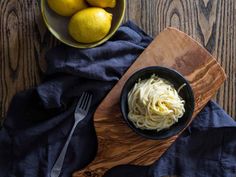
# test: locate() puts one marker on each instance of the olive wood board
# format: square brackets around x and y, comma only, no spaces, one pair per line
[117,143]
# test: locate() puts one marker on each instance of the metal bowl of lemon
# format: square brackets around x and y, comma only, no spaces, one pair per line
[83,23]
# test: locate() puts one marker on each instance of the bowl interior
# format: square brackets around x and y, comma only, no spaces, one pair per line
[58,25]
[177,80]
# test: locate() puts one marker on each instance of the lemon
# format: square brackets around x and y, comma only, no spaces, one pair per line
[67,7]
[102,3]
[90,25]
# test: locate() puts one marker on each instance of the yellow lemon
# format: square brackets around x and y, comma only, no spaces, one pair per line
[67,7]
[102,3]
[90,25]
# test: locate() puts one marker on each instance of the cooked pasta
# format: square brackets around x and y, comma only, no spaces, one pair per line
[154,104]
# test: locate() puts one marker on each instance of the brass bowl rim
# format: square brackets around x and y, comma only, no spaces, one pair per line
[81,45]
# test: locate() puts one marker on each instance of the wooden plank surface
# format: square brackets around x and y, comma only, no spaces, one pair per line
[117,143]
[24,39]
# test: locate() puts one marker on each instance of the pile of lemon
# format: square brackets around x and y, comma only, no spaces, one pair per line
[87,24]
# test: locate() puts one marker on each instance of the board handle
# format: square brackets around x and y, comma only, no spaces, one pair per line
[91,171]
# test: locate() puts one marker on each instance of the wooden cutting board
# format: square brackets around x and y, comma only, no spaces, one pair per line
[117,143]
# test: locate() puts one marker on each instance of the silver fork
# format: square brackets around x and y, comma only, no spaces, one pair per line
[80,113]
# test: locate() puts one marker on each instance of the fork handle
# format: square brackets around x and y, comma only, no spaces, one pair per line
[56,169]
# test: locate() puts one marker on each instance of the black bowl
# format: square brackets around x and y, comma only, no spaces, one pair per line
[177,80]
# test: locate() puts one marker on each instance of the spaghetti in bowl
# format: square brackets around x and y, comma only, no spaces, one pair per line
[157,102]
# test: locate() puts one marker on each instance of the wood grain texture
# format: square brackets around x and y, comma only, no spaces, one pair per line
[23,42]
[117,143]
[24,39]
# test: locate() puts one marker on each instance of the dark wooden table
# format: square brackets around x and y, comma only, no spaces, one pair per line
[24,39]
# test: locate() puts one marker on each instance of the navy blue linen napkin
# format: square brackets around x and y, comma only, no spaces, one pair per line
[39,119]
